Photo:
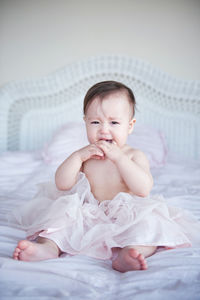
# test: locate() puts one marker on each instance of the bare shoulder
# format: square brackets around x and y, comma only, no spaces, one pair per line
[137,156]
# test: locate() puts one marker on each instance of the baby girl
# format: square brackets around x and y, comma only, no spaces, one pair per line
[100,205]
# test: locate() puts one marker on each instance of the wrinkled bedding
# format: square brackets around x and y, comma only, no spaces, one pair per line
[171,273]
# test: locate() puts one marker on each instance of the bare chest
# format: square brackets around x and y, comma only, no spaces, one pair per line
[105,179]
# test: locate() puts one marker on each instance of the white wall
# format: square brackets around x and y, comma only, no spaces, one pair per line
[40,36]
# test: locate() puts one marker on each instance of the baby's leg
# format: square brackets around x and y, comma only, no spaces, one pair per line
[132,258]
[35,251]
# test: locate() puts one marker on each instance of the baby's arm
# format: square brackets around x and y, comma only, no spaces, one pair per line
[135,171]
[67,173]
[133,167]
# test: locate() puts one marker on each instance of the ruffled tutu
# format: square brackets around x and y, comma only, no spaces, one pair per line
[79,224]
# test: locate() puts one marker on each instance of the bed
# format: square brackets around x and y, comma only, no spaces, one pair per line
[41,123]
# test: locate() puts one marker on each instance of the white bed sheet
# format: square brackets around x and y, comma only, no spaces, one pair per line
[172,273]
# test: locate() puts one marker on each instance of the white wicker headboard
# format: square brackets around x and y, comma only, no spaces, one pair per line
[31,110]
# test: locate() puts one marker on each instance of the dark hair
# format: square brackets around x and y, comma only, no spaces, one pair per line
[103,89]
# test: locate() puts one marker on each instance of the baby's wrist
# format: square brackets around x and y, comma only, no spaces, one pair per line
[82,155]
[77,155]
[118,158]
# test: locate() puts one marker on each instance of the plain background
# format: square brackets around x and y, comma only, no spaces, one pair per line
[40,36]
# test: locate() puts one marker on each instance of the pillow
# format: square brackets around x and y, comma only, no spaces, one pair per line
[73,136]
[151,142]
[66,140]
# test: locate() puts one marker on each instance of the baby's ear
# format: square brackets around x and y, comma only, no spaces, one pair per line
[131,125]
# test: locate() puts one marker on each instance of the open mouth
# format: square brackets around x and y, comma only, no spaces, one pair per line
[107,140]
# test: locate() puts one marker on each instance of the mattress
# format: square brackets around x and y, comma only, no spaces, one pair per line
[171,273]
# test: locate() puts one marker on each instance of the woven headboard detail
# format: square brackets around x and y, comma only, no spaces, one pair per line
[32,110]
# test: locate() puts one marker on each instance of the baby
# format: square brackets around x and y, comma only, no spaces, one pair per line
[112,181]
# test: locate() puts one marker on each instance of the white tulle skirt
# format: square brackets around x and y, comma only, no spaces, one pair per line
[79,224]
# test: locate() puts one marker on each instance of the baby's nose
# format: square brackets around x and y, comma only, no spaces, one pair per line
[104,128]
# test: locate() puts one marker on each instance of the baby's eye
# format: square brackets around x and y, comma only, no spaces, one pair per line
[114,123]
[95,122]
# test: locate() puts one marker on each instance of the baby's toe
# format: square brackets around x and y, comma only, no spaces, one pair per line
[140,257]
[15,255]
[22,245]
[143,265]
[142,261]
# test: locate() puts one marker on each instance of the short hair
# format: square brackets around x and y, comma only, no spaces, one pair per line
[105,88]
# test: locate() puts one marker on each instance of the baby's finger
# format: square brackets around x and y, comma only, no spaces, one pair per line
[104,146]
[98,157]
[96,151]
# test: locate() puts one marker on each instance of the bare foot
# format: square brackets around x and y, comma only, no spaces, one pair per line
[129,259]
[31,251]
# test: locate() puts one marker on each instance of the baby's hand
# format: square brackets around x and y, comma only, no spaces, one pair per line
[111,150]
[90,151]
